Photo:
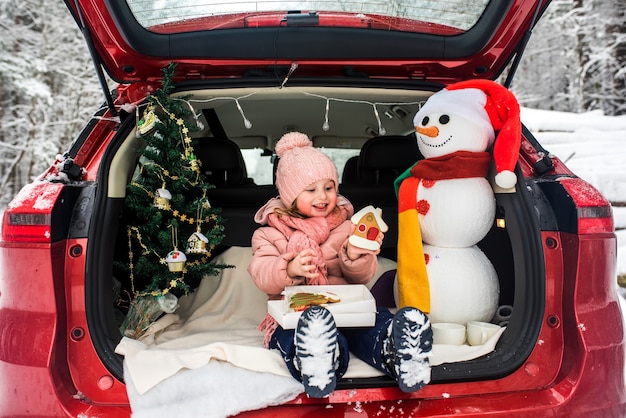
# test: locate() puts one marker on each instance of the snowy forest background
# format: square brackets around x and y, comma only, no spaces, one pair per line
[575,62]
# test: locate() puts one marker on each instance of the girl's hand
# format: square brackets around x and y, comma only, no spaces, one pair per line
[302,265]
[356,252]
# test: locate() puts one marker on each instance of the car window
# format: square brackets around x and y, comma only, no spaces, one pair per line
[260,167]
[430,16]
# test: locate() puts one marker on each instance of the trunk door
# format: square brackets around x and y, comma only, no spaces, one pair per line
[420,39]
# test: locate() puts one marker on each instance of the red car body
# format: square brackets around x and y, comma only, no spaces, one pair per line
[50,365]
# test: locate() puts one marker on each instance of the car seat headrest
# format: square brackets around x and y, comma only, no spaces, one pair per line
[384,158]
[222,162]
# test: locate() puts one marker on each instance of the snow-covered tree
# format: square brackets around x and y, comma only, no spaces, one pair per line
[576,58]
[48,88]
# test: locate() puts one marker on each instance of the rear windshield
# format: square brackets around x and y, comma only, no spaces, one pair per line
[447,17]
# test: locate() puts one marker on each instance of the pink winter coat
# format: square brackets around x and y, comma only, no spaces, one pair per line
[268,267]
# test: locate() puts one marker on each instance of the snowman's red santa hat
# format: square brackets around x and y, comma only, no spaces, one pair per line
[492,106]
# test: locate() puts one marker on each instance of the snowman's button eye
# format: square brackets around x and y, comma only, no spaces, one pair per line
[425,121]
[443,119]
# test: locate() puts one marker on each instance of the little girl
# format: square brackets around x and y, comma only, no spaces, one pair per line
[304,241]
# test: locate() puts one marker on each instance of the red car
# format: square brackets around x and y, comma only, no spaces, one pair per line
[351,76]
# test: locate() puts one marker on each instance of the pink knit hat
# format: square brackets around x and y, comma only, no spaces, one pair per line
[300,165]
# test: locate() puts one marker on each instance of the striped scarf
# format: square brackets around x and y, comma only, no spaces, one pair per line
[413,285]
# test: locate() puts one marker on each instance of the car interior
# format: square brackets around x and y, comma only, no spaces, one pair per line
[367,171]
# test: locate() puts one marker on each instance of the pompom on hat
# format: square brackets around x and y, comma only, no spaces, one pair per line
[300,165]
[493,106]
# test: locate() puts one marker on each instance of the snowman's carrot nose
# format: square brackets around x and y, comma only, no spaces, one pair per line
[431,131]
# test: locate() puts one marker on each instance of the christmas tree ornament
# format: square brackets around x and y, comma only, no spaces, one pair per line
[168,303]
[196,244]
[194,163]
[162,198]
[147,122]
[175,259]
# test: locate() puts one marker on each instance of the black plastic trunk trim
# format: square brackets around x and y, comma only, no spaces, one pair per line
[519,339]
[101,322]
[321,42]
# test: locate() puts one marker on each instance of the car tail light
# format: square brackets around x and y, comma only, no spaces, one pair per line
[28,218]
[26,227]
[593,210]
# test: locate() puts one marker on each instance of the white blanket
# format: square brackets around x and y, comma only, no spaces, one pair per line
[214,333]
[208,392]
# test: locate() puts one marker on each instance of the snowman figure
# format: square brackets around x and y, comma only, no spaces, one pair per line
[446,205]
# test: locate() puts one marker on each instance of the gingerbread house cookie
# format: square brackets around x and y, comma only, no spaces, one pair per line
[369,223]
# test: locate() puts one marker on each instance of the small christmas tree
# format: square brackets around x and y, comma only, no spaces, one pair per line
[172,228]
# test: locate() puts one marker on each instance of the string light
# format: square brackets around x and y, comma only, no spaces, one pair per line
[246,122]
[293,67]
[381,129]
[326,124]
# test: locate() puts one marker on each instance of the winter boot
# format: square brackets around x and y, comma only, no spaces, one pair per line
[412,342]
[316,351]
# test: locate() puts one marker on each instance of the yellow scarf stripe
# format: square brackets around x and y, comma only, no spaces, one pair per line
[413,286]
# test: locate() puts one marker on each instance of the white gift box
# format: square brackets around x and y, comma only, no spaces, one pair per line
[356,307]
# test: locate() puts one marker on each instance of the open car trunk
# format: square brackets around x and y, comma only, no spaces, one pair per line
[514,246]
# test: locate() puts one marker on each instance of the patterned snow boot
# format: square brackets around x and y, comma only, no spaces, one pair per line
[317,351]
[412,342]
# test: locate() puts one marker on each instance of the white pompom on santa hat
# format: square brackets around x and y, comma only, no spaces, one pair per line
[493,106]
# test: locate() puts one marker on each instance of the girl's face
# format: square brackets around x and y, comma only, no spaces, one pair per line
[318,199]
